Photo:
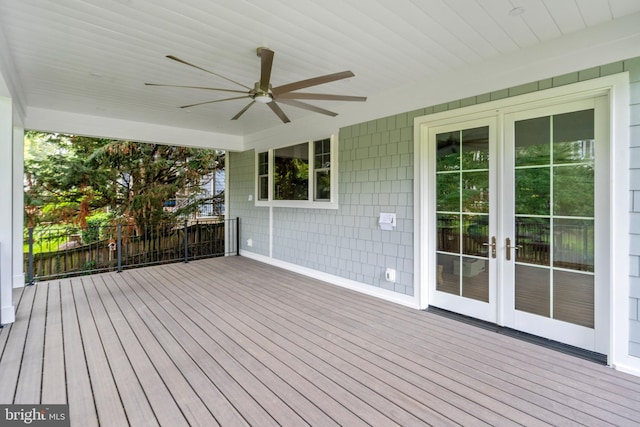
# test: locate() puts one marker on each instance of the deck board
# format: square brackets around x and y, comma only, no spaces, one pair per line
[82,408]
[11,361]
[54,389]
[235,342]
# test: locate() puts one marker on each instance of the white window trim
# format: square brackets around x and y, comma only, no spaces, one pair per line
[305,204]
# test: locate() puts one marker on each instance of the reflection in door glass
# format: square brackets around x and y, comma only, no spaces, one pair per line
[533,237]
[573,246]
[533,191]
[533,291]
[573,190]
[532,142]
[448,154]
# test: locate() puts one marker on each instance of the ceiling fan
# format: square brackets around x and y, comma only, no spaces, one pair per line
[262,91]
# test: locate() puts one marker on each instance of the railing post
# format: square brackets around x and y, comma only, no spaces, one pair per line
[119,248]
[30,268]
[237,236]
[186,241]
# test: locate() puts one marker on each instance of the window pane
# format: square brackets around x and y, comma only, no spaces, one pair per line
[448,233]
[322,154]
[447,279]
[573,297]
[475,192]
[475,278]
[533,292]
[448,155]
[573,246]
[263,188]
[448,190]
[475,148]
[533,238]
[323,185]
[533,191]
[291,172]
[532,141]
[573,190]
[475,232]
[263,163]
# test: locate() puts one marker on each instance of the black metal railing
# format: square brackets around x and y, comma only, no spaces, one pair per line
[59,252]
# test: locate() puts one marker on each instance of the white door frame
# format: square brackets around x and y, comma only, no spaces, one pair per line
[616,87]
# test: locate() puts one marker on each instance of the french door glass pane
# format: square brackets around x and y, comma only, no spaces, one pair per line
[532,142]
[475,278]
[475,234]
[533,191]
[573,246]
[448,227]
[475,192]
[533,238]
[533,290]
[448,154]
[475,148]
[446,278]
[462,212]
[573,190]
[448,192]
[573,297]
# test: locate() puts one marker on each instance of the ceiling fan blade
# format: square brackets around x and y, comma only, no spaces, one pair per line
[320,96]
[241,112]
[266,58]
[217,100]
[206,71]
[276,109]
[198,87]
[312,82]
[306,106]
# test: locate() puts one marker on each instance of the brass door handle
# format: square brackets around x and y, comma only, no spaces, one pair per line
[509,247]
[493,246]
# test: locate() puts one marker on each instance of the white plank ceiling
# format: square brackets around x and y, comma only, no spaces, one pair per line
[94,56]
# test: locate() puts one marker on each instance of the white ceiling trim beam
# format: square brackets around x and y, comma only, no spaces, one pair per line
[81,124]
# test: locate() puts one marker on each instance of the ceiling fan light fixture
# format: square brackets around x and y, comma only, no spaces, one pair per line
[263,99]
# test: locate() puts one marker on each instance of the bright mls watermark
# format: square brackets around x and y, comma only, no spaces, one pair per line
[34,415]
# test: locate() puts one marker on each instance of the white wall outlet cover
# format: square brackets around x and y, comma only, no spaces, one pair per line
[250,242]
[390,275]
[250,197]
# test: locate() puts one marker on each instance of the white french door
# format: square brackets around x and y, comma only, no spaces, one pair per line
[464,212]
[518,220]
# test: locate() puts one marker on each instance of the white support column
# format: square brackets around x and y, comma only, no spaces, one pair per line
[18,203]
[7,311]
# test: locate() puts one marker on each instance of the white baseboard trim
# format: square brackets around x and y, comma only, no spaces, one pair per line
[629,365]
[18,281]
[385,294]
[7,314]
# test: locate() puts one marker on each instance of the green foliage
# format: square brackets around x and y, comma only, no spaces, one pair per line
[95,224]
[69,177]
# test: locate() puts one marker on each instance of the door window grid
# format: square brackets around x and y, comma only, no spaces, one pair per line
[549,243]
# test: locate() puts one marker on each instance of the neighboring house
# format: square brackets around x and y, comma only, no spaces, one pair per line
[210,192]
[451,159]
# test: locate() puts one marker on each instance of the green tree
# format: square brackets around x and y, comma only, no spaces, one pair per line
[68,177]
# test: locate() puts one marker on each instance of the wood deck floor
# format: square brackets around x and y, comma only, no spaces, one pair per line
[231,342]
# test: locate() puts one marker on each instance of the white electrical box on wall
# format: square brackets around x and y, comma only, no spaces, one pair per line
[390,275]
[387,221]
